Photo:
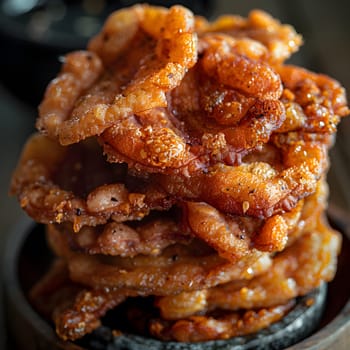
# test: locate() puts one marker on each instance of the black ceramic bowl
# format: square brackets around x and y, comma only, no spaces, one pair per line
[27,257]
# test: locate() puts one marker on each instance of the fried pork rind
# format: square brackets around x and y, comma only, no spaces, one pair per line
[85,313]
[232,237]
[297,270]
[77,310]
[186,304]
[228,105]
[264,299]
[300,130]
[203,328]
[322,101]
[120,239]
[167,273]
[270,289]
[178,268]
[209,198]
[238,65]
[279,40]
[237,237]
[169,49]
[255,188]
[53,290]
[186,137]
[238,57]
[53,184]
[74,309]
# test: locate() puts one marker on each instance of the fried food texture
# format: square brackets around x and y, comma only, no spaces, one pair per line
[178,267]
[304,265]
[182,163]
[53,184]
[169,49]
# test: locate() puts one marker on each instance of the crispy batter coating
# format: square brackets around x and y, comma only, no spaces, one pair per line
[182,161]
[297,270]
[161,275]
[232,324]
[280,40]
[84,316]
[172,52]
[52,185]
[257,188]
[179,267]
[120,239]
[237,237]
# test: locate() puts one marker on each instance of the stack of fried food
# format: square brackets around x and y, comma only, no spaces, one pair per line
[182,162]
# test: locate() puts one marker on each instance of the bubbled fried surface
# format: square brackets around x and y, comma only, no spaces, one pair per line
[183,162]
[59,184]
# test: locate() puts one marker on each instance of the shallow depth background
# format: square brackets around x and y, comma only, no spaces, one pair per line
[30,58]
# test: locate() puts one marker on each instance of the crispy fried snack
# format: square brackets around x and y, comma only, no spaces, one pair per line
[169,49]
[53,184]
[182,162]
[300,268]
[232,237]
[232,324]
[278,40]
[268,288]
[255,188]
[264,299]
[120,239]
[178,268]
[235,236]
[215,116]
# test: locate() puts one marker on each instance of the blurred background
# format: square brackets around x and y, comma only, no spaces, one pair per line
[35,33]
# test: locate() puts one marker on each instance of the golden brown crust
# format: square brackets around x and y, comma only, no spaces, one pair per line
[46,169]
[297,270]
[205,328]
[174,50]
[210,199]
